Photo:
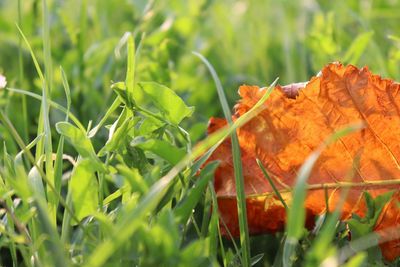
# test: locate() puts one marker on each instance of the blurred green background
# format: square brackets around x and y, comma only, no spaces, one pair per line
[250,42]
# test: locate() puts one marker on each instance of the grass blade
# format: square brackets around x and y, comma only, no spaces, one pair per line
[21,77]
[323,241]
[276,191]
[58,163]
[47,86]
[53,244]
[130,72]
[185,208]
[297,213]
[52,104]
[237,163]
[110,110]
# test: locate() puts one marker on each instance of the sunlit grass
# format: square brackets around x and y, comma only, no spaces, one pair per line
[103,156]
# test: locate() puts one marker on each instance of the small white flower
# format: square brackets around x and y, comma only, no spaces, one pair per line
[3,81]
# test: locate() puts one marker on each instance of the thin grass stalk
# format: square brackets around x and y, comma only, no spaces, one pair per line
[276,191]
[21,78]
[238,170]
[53,105]
[47,86]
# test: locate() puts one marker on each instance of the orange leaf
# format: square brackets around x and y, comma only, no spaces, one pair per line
[296,121]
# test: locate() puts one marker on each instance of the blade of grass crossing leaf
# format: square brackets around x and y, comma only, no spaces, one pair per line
[239,180]
[326,197]
[297,213]
[276,191]
[216,138]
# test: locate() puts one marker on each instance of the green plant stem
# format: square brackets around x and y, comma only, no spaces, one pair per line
[276,191]
[52,104]
[21,78]
[238,170]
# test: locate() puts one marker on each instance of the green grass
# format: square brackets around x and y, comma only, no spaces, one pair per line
[104,117]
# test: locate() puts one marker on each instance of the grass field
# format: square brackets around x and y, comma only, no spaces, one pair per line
[105,101]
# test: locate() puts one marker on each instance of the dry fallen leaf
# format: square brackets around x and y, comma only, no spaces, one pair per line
[295,122]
